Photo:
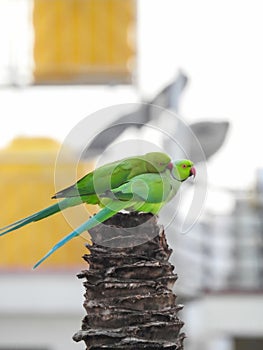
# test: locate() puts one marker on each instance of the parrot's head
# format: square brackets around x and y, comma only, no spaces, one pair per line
[182,169]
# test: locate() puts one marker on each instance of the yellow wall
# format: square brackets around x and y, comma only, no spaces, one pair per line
[84,40]
[26,186]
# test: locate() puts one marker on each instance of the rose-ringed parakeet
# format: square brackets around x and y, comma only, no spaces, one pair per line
[143,183]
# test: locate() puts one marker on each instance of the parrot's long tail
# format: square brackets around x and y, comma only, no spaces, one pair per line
[53,209]
[100,217]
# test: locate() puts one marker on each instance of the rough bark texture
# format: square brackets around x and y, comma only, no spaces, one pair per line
[129,299]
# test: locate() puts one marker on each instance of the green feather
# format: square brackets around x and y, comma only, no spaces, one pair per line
[143,183]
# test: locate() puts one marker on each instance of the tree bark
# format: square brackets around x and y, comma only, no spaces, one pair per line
[129,299]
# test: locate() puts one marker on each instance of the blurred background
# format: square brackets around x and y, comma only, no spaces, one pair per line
[64,60]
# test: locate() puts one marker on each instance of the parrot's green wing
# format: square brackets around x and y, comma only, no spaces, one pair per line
[150,188]
[146,192]
[114,174]
[149,192]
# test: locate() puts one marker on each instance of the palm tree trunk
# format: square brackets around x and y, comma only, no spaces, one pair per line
[129,299]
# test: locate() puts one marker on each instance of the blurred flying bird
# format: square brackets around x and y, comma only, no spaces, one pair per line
[147,112]
[211,135]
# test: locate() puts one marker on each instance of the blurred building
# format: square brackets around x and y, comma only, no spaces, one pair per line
[38,306]
[68,42]
[28,176]
[220,265]
[84,41]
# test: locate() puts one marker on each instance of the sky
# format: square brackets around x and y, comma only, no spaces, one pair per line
[218,44]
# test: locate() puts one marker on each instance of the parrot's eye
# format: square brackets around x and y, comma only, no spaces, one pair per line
[184,166]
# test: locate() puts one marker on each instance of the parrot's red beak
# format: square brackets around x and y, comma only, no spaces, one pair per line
[193,172]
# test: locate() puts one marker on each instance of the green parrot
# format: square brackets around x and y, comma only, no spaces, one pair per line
[142,183]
